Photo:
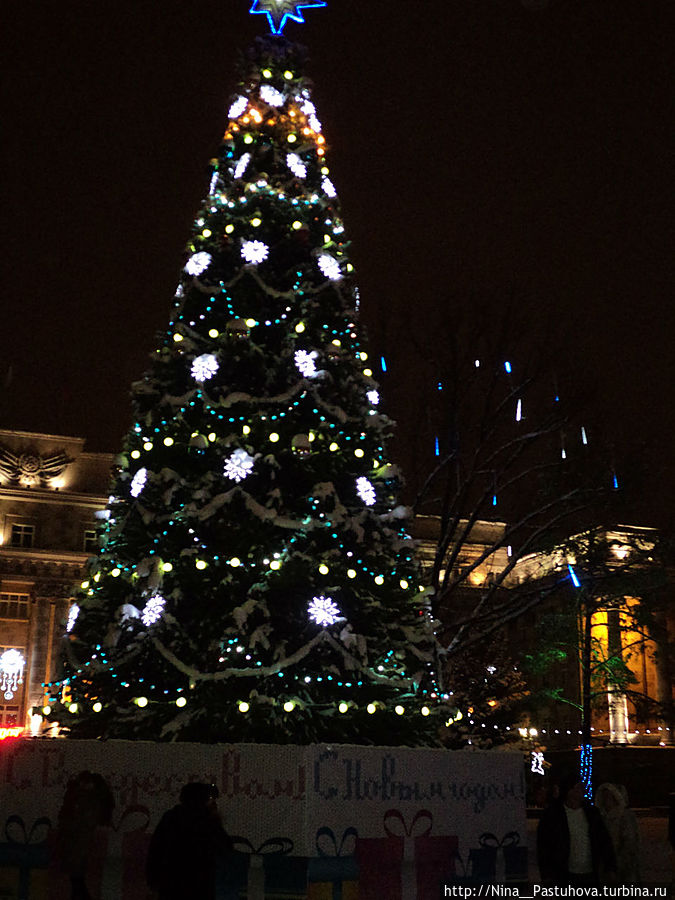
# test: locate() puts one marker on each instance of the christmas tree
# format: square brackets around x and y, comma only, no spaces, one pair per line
[256,581]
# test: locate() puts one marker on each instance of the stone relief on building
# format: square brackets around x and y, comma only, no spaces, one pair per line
[31,469]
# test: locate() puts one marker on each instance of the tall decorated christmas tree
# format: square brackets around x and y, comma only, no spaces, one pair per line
[255,580]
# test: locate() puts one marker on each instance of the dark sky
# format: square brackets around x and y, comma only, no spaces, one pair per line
[481,148]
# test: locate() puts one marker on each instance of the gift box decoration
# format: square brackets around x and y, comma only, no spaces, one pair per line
[498,860]
[334,873]
[24,859]
[272,872]
[116,868]
[390,867]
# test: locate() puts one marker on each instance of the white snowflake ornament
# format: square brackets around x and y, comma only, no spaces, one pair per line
[328,187]
[366,491]
[254,251]
[323,611]
[73,613]
[237,107]
[153,610]
[242,165]
[296,165]
[373,397]
[271,95]
[138,482]
[198,263]
[305,360]
[330,267]
[238,465]
[204,367]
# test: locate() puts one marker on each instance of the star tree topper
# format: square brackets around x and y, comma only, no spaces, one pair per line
[277,11]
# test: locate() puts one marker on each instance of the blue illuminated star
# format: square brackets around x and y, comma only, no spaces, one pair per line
[277,11]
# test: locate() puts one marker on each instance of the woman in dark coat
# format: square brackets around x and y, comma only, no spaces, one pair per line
[186,846]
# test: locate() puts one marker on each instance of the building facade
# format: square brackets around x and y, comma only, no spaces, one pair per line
[50,493]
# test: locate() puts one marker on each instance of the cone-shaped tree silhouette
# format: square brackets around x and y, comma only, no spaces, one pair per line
[255,581]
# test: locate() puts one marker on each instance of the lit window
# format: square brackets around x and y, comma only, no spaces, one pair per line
[9,716]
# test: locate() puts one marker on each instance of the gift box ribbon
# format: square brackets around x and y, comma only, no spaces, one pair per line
[420,826]
[487,840]
[336,863]
[26,848]
[276,846]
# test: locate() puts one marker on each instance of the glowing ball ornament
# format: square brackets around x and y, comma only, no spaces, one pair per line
[138,482]
[153,610]
[12,664]
[305,360]
[324,611]
[198,263]
[330,267]
[239,465]
[373,397]
[254,252]
[204,367]
[366,491]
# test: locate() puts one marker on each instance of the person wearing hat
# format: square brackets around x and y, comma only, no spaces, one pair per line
[186,845]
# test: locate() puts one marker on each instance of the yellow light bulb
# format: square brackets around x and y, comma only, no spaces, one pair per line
[296,225]
[181,701]
[244,707]
[168,441]
[46,710]
[300,327]
[248,139]
[371,708]
[325,170]
[229,229]
[289,706]
[246,429]
[399,710]
[292,138]
[343,707]
[288,74]
[167,567]
[364,356]
[147,445]
[235,562]
[135,454]
[115,572]
[274,437]
[368,373]
[206,232]
[267,73]
[336,343]
[251,323]
[255,222]
[425,710]
[85,585]
[200,564]
[141,701]
[213,333]
[358,452]
[323,568]
[213,436]
[73,708]
[333,447]
[379,579]
[178,338]
[404,584]
[275,564]
[351,573]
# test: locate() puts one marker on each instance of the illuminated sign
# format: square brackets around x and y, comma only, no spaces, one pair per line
[5,733]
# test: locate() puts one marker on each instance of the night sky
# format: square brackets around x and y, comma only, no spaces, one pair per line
[491,149]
